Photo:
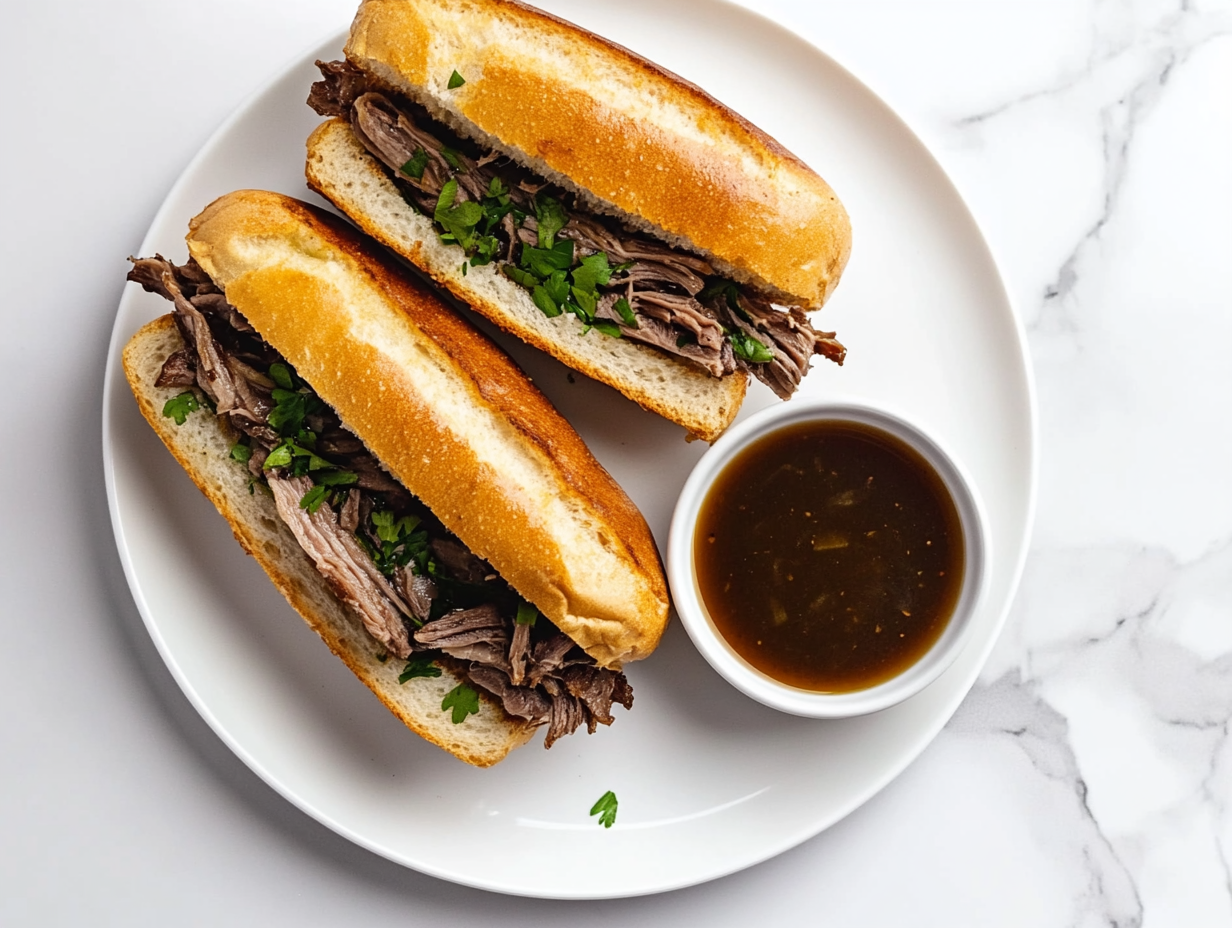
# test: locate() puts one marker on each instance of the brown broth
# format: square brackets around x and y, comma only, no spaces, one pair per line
[829,556]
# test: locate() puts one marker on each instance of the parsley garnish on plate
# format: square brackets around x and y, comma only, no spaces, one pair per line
[179,406]
[463,701]
[455,81]
[605,808]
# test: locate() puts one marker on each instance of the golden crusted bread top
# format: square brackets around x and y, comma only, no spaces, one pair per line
[447,412]
[595,117]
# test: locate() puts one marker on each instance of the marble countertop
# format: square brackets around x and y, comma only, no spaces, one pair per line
[1086,778]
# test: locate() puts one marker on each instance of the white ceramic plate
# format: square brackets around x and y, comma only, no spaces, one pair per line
[709,781]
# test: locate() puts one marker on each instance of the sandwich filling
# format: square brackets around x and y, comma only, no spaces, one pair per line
[422,596]
[623,284]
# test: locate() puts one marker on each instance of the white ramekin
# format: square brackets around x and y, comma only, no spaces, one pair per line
[692,610]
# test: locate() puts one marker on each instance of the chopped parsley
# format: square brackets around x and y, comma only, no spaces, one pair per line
[527,614]
[422,664]
[625,311]
[557,285]
[282,376]
[747,348]
[455,81]
[458,220]
[291,407]
[241,452]
[400,541]
[293,454]
[452,157]
[605,808]
[179,406]
[519,276]
[541,262]
[486,248]
[730,292]
[607,327]
[592,272]
[336,478]
[390,529]
[544,301]
[415,165]
[557,281]
[497,190]
[552,218]
[463,701]
[313,499]
[329,485]
[294,401]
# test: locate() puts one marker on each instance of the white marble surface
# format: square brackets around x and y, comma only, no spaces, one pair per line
[1086,779]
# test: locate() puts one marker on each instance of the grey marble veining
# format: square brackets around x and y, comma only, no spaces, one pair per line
[1114,675]
[1013,711]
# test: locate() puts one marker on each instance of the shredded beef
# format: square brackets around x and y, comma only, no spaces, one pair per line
[547,658]
[567,711]
[519,701]
[593,688]
[662,285]
[519,651]
[537,674]
[622,692]
[343,564]
[466,627]
[462,564]
[179,370]
[213,376]
[348,516]
[418,590]
[342,85]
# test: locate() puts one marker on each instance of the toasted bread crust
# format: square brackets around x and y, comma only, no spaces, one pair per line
[340,169]
[598,118]
[447,412]
[201,447]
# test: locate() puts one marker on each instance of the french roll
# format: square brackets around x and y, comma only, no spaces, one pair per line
[413,495]
[585,199]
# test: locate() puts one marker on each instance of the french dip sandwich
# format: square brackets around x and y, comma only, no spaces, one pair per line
[416,499]
[583,198]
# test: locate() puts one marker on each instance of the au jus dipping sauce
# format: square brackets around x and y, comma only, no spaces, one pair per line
[829,555]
